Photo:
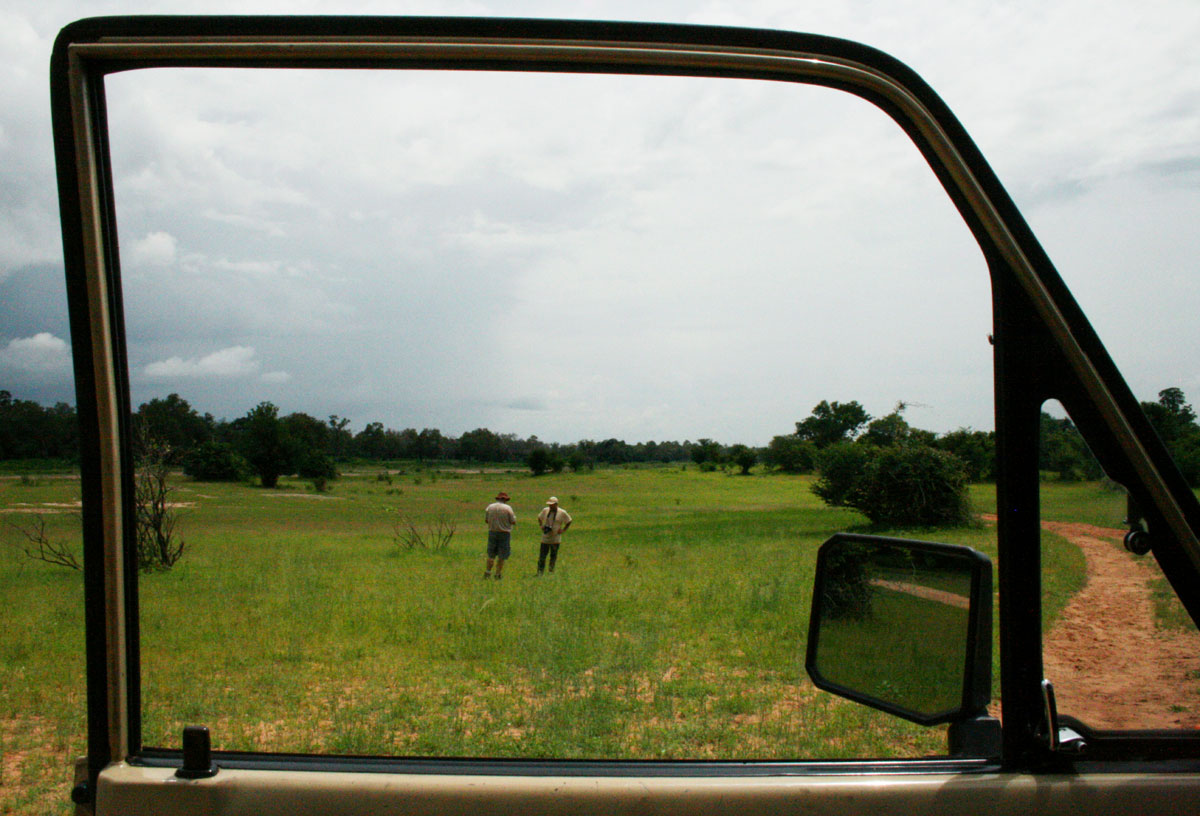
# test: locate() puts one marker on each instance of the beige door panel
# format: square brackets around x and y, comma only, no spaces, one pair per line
[132,791]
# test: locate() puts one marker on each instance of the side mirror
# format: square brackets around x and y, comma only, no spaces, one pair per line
[906,627]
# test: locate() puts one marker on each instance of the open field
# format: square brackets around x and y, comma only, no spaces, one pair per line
[674,626]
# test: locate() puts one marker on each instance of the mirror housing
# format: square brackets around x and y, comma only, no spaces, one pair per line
[906,627]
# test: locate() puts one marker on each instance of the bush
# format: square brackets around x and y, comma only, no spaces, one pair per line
[791,454]
[215,462]
[912,486]
[538,461]
[840,466]
[317,468]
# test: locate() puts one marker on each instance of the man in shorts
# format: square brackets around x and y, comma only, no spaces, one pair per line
[554,521]
[500,520]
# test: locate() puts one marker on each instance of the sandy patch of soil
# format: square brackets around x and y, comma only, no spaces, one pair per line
[1111,665]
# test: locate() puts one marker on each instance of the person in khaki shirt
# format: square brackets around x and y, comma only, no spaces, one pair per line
[500,519]
[554,521]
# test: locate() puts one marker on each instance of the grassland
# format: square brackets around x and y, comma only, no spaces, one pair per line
[674,626]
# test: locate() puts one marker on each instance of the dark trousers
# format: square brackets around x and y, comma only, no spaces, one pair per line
[552,550]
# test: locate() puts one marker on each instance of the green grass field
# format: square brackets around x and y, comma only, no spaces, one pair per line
[674,626]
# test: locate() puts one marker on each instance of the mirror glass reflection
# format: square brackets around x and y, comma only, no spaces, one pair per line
[894,623]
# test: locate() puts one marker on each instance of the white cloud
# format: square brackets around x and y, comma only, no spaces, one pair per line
[276,377]
[156,249]
[38,354]
[235,361]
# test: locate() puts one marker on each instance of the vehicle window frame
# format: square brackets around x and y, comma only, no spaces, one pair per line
[1044,347]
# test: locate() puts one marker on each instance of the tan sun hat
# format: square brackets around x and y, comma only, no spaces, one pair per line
[553,500]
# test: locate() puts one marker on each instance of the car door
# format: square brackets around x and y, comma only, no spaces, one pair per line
[1042,349]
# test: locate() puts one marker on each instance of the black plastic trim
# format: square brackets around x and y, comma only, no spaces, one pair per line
[159,758]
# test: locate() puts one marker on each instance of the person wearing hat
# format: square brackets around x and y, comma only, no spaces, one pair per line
[500,520]
[554,521]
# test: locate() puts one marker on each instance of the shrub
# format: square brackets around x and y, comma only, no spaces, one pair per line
[317,468]
[912,486]
[159,547]
[840,466]
[791,454]
[215,462]
[538,461]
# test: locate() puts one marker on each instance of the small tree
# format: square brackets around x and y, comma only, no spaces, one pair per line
[215,462]
[158,546]
[538,461]
[791,454]
[840,466]
[832,422]
[744,457]
[318,468]
[911,486]
[266,444]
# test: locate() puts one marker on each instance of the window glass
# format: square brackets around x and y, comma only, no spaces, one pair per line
[375,301]
[1116,640]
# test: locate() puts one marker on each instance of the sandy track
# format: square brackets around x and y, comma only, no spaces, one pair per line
[1111,665]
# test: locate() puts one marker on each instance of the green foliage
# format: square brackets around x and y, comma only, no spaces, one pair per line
[845,591]
[832,422]
[173,421]
[265,443]
[1175,421]
[912,486]
[538,461]
[318,468]
[975,449]
[1061,450]
[29,431]
[707,452]
[215,462]
[840,467]
[744,457]
[791,454]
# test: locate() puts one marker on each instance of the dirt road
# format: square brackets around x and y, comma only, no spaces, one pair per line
[1111,665]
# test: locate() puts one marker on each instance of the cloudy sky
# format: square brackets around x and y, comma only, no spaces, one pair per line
[586,257]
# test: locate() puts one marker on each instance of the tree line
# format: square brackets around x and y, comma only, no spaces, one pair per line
[268,444]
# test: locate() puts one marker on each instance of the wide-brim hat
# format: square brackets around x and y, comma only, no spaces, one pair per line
[552,500]
[501,496]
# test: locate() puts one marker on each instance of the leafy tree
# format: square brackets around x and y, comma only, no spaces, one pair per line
[707,453]
[429,444]
[266,445]
[307,433]
[744,457]
[29,431]
[911,486]
[482,445]
[1175,421]
[318,468]
[538,461]
[341,441]
[840,467]
[1061,449]
[175,423]
[215,462]
[791,454]
[975,449]
[832,422]
[371,441]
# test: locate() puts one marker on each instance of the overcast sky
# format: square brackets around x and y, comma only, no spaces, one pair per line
[586,257]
